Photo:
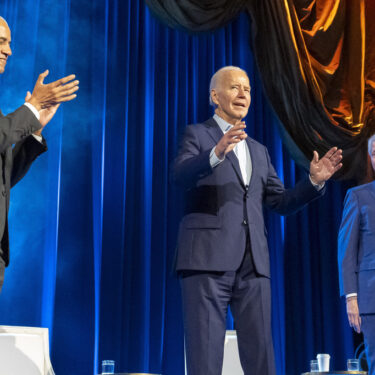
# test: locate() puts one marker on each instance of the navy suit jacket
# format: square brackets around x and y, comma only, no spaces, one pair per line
[220,210]
[356,246]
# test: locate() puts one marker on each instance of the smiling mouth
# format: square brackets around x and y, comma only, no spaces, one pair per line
[240,105]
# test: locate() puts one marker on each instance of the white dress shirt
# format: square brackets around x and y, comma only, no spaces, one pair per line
[241,151]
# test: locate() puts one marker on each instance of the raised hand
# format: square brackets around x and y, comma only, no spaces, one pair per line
[48,95]
[229,140]
[322,169]
[45,114]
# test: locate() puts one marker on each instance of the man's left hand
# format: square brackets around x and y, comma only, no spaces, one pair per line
[45,114]
[322,169]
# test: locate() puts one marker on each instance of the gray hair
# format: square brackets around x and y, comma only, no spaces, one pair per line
[215,77]
[371,140]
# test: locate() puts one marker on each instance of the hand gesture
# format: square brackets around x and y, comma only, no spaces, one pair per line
[229,140]
[322,170]
[45,114]
[353,313]
[48,95]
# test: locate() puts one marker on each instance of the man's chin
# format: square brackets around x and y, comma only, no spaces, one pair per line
[242,115]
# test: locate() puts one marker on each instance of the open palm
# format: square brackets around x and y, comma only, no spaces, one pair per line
[322,169]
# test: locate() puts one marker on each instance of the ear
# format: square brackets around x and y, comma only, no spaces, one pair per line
[214,97]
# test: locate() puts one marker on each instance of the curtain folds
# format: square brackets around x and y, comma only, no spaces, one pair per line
[195,15]
[317,61]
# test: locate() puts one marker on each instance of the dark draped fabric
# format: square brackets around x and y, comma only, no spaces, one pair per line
[93,225]
[317,62]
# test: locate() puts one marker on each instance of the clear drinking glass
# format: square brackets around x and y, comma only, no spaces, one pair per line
[314,367]
[108,367]
[353,365]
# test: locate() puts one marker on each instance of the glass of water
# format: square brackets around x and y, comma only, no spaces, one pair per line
[108,367]
[314,367]
[353,365]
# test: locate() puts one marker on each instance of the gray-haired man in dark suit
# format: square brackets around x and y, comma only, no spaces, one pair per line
[222,251]
[356,258]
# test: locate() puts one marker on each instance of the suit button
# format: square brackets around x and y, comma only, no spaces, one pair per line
[244,222]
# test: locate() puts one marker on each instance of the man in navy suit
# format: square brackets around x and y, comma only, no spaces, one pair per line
[356,258]
[23,129]
[222,253]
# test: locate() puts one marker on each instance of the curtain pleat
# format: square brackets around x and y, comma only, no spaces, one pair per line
[317,63]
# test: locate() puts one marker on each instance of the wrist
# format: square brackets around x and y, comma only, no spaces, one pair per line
[35,103]
[314,180]
[38,132]
[220,155]
[351,298]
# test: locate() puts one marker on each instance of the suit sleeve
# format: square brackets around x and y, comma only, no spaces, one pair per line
[24,153]
[287,201]
[17,126]
[348,245]
[191,163]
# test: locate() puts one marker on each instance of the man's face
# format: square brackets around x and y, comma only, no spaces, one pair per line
[232,95]
[372,155]
[5,50]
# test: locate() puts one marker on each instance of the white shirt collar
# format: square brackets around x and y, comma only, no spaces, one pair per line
[224,126]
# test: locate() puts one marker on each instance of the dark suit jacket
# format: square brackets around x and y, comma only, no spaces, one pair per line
[356,246]
[220,210]
[15,128]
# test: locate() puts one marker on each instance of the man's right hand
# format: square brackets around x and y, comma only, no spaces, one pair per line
[48,95]
[229,140]
[353,313]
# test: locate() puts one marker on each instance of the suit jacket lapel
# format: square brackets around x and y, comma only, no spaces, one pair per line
[216,133]
[372,190]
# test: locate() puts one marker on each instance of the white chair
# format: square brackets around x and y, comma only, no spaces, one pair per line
[231,363]
[24,350]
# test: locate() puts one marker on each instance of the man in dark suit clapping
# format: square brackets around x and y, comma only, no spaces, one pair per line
[23,129]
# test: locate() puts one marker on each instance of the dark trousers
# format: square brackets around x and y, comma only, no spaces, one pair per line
[368,329]
[206,296]
[2,272]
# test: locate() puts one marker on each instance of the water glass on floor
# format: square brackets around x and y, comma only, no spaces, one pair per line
[108,367]
[314,367]
[353,365]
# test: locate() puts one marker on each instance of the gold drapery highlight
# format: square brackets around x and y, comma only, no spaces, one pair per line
[317,62]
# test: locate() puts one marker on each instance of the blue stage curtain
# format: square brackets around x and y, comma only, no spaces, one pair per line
[93,225]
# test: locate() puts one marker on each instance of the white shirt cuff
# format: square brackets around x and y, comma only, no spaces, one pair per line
[351,295]
[32,109]
[317,186]
[214,160]
[39,138]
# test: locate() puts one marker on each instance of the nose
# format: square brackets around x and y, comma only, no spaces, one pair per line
[241,92]
[6,50]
